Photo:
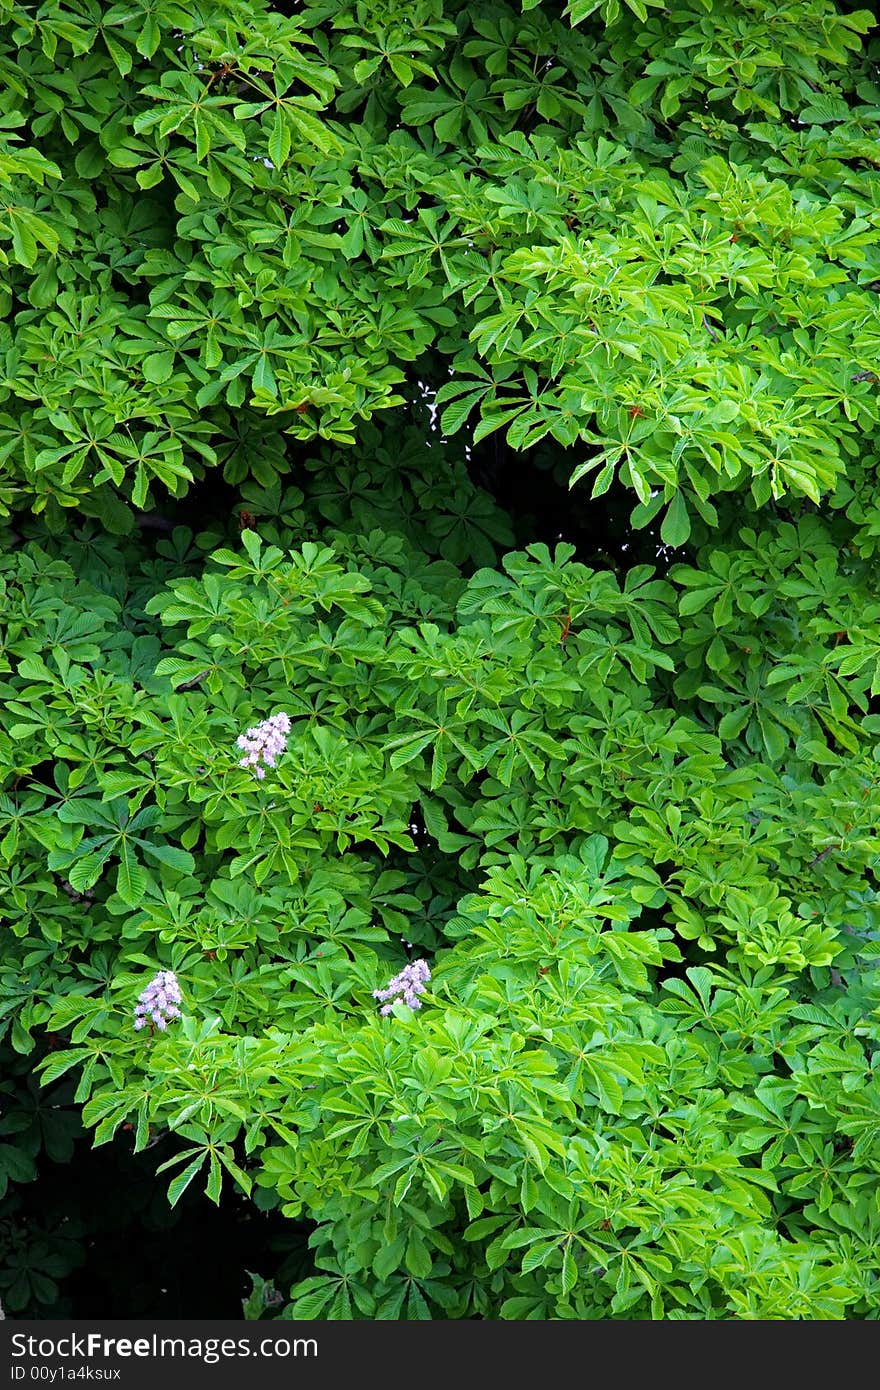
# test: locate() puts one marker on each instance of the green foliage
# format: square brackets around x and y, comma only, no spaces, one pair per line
[189,242]
[277,276]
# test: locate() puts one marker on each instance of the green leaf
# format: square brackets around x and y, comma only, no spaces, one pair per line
[175,858]
[178,1185]
[86,871]
[215,1180]
[539,1254]
[675,528]
[569,1271]
[418,1260]
[131,880]
[158,366]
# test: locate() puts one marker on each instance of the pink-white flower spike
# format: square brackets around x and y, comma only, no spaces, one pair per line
[159,1002]
[264,743]
[409,984]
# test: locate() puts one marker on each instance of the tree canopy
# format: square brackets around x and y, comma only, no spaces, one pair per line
[290,294]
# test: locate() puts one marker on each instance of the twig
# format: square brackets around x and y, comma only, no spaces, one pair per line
[822,855]
[196,680]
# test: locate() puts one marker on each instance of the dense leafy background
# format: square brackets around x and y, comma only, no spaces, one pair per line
[309,320]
